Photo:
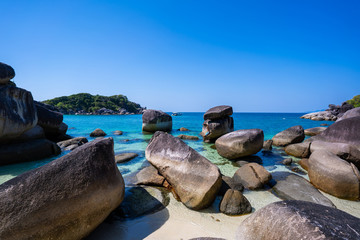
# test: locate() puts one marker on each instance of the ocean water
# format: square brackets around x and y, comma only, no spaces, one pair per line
[134,140]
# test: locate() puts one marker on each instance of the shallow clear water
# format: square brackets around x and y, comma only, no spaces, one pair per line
[133,140]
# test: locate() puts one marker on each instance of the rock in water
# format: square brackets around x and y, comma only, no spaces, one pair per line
[333,175]
[299,150]
[240,143]
[267,146]
[74,141]
[156,120]
[218,112]
[6,73]
[194,178]
[188,137]
[298,220]
[125,157]
[97,133]
[217,123]
[17,112]
[289,136]
[293,187]
[252,175]
[314,131]
[64,199]
[234,203]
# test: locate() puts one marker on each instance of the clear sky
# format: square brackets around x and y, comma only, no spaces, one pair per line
[257,56]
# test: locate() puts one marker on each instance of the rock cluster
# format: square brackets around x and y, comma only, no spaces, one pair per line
[217,123]
[156,120]
[28,128]
[332,114]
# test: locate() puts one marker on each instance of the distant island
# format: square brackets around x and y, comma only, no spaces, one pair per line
[87,104]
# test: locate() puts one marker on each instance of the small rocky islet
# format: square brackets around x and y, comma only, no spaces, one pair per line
[78,191]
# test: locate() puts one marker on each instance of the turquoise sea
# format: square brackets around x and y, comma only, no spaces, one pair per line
[134,140]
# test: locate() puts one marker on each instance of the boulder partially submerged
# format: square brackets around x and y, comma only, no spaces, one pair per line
[156,120]
[289,136]
[194,178]
[64,199]
[298,220]
[252,176]
[240,143]
[217,123]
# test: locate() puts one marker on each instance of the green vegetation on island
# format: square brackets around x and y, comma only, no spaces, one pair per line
[355,101]
[85,103]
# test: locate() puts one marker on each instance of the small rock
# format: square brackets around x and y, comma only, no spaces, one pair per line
[182,129]
[324,124]
[74,141]
[267,146]
[98,133]
[125,157]
[117,132]
[234,203]
[188,137]
[287,161]
[149,176]
[218,112]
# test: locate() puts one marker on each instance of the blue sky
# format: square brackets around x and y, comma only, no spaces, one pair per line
[257,56]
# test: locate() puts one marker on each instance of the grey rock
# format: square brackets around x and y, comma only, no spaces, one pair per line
[125,157]
[287,161]
[188,137]
[149,176]
[314,131]
[252,176]
[289,136]
[97,133]
[299,150]
[218,112]
[298,220]
[64,199]
[6,73]
[17,112]
[350,113]
[267,146]
[194,178]
[240,143]
[30,150]
[333,175]
[33,133]
[118,132]
[156,120]
[213,129]
[229,183]
[293,187]
[140,201]
[49,120]
[234,203]
[74,141]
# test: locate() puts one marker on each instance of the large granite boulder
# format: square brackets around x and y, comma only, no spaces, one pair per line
[314,131]
[194,178]
[6,73]
[333,175]
[234,203]
[345,151]
[218,112]
[299,150]
[213,129]
[344,131]
[240,143]
[17,112]
[64,199]
[51,121]
[217,123]
[289,136]
[252,176]
[290,186]
[156,120]
[31,150]
[298,220]
[355,112]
